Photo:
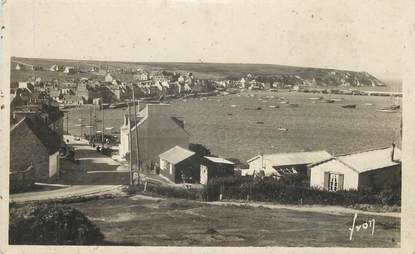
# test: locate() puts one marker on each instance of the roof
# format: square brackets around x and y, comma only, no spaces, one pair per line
[158,120]
[299,158]
[176,154]
[47,137]
[219,160]
[371,160]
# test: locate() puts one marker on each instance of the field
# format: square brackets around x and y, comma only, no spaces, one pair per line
[233,131]
[136,221]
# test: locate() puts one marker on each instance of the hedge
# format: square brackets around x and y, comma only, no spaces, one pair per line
[45,224]
[272,190]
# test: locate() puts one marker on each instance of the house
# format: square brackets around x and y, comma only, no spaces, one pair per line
[33,143]
[212,167]
[285,163]
[142,76]
[36,68]
[27,85]
[158,130]
[47,113]
[20,67]
[108,78]
[69,70]
[358,171]
[177,165]
[56,67]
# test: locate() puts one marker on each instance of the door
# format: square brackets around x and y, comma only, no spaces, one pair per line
[333,182]
[203,174]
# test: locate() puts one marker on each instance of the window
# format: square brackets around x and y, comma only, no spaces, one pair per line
[333,181]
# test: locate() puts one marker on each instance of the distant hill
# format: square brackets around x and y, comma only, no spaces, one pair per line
[262,72]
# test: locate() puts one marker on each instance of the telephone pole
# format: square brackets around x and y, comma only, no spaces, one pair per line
[102,133]
[130,143]
[67,122]
[90,123]
[136,136]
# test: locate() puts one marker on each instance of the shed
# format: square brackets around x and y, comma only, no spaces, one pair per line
[212,167]
[365,170]
[177,165]
[282,163]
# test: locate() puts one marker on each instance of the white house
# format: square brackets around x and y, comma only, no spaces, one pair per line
[282,163]
[357,171]
[69,70]
[109,78]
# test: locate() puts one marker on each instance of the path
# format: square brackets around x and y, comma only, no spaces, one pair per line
[72,191]
[336,210]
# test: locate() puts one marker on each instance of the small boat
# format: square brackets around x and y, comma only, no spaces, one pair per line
[229,114]
[284,102]
[349,106]
[338,99]
[329,101]
[391,109]
[294,105]
[282,129]
[387,110]
[369,104]
[260,122]
[233,106]
[273,106]
[315,98]
[258,108]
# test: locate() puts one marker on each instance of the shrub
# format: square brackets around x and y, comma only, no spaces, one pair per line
[291,190]
[176,192]
[46,224]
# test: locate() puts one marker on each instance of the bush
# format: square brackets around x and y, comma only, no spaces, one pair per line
[46,224]
[291,190]
[170,191]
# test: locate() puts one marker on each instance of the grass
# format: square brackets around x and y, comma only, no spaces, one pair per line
[185,223]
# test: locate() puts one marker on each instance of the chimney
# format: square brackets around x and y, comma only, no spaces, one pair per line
[393,151]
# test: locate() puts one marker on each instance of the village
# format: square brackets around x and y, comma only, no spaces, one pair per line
[152,151]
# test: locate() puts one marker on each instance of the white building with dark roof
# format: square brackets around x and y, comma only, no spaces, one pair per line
[365,170]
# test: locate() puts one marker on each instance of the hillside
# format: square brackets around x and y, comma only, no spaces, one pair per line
[262,72]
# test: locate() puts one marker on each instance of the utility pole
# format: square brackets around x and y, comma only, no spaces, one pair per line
[90,124]
[102,133]
[136,135]
[95,123]
[67,122]
[130,143]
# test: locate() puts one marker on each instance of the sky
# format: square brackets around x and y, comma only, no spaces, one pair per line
[350,35]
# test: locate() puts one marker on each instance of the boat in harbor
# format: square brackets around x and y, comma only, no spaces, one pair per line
[349,106]
[391,109]
[315,98]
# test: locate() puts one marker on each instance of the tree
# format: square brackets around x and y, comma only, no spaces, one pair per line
[200,150]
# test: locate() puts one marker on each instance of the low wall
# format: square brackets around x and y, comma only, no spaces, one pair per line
[22,180]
